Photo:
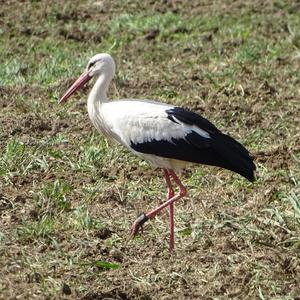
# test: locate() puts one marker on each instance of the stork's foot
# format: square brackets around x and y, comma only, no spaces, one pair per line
[138,225]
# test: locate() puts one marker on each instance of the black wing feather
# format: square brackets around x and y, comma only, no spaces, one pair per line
[219,150]
[190,118]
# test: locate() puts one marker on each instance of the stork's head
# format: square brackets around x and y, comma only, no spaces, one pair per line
[99,64]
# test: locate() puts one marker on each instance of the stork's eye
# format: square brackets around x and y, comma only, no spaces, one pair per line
[91,64]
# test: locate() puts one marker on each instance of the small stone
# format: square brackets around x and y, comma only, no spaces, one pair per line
[116,255]
[103,233]
[66,289]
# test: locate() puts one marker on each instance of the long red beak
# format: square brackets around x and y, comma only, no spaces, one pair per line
[80,82]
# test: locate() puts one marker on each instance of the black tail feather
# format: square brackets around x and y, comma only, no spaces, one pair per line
[236,156]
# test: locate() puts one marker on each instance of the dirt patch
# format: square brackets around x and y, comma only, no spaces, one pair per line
[278,158]
[114,294]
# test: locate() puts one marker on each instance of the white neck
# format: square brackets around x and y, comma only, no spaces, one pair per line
[98,93]
[97,97]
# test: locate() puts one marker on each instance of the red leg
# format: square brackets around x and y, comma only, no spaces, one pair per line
[182,188]
[171,222]
[170,191]
[171,209]
[183,192]
[144,217]
[169,184]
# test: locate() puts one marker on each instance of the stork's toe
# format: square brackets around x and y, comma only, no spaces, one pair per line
[138,225]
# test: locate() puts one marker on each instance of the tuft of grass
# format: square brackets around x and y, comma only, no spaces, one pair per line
[54,195]
[43,228]
[13,158]
[84,221]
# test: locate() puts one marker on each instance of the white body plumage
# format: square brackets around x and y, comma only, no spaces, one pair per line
[134,121]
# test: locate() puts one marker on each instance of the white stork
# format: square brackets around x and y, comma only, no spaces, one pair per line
[167,136]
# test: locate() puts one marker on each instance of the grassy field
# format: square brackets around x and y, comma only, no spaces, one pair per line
[67,198]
